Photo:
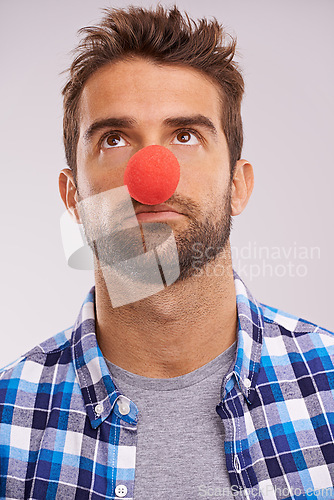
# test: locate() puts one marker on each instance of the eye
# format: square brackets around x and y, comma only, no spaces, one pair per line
[113,140]
[186,137]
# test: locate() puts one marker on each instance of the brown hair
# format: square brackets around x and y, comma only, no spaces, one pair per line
[165,37]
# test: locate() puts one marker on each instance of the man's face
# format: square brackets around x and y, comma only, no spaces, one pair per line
[172,106]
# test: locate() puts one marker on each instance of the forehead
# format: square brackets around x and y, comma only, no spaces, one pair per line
[151,91]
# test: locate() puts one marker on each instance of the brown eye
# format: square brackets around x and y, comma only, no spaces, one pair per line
[186,138]
[113,140]
[183,137]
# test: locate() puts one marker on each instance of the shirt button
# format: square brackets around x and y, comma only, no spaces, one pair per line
[237,464]
[121,490]
[98,409]
[247,383]
[123,406]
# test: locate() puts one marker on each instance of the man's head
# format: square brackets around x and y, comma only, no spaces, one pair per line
[150,77]
[163,37]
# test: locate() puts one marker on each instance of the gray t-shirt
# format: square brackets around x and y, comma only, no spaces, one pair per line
[180,449]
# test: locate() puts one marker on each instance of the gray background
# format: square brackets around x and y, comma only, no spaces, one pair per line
[286,52]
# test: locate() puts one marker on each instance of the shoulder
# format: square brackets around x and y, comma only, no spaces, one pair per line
[290,322]
[295,333]
[36,365]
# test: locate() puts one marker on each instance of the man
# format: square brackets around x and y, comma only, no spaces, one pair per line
[197,390]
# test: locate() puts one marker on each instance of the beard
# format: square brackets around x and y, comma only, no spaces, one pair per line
[204,240]
[174,256]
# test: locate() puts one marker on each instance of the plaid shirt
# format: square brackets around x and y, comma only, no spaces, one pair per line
[67,432]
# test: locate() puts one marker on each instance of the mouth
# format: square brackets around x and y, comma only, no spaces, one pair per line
[155,216]
[157,212]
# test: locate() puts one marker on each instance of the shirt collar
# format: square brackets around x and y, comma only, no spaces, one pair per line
[249,341]
[97,387]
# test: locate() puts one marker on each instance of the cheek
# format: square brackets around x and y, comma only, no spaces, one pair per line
[94,184]
[96,174]
[202,173]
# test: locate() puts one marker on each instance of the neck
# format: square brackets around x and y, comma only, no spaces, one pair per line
[175,331]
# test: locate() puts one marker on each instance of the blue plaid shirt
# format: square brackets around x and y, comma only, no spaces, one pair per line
[67,432]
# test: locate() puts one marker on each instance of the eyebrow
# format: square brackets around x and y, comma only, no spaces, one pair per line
[186,121]
[127,122]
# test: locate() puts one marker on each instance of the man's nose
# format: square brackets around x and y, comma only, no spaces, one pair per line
[152,175]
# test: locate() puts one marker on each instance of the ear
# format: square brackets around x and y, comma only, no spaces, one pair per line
[242,186]
[69,193]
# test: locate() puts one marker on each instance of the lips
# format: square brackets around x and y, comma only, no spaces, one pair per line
[155,208]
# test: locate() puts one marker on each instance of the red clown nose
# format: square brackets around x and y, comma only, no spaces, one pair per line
[152,175]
